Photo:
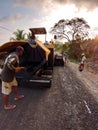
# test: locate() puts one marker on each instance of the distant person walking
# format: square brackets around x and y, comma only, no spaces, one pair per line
[83,62]
[65,58]
[9,83]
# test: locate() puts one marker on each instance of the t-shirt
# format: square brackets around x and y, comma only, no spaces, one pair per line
[83,59]
[8,70]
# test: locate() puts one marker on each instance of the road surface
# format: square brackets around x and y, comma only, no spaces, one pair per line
[67,105]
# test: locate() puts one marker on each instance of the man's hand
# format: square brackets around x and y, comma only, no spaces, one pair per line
[17,69]
[23,68]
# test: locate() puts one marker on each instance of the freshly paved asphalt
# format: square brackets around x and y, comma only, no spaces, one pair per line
[67,105]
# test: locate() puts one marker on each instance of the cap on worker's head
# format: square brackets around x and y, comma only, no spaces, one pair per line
[19,48]
[82,54]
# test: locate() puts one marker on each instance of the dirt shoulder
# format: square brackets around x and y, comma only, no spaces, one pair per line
[90,79]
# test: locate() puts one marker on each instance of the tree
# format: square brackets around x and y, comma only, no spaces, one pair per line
[71,29]
[19,35]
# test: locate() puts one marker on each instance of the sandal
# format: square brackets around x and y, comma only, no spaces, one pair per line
[9,107]
[19,97]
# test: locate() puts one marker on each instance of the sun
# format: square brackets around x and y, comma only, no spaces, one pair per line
[96,37]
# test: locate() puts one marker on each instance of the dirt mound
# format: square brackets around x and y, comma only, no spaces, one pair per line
[92,65]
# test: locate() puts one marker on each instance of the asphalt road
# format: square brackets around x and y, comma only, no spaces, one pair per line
[67,105]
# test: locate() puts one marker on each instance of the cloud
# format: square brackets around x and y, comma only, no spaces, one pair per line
[11,18]
[95,28]
[40,6]
[88,4]
[30,13]
[30,4]
[39,10]
[9,23]
[40,3]
[43,8]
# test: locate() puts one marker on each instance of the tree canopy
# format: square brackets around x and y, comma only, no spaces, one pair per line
[76,28]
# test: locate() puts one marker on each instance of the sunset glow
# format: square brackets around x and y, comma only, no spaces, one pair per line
[24,15]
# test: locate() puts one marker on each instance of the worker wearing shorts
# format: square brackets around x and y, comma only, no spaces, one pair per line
[7,86]
[83,62]
[9,82]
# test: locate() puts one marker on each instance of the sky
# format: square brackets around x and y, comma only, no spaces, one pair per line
[25,14]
